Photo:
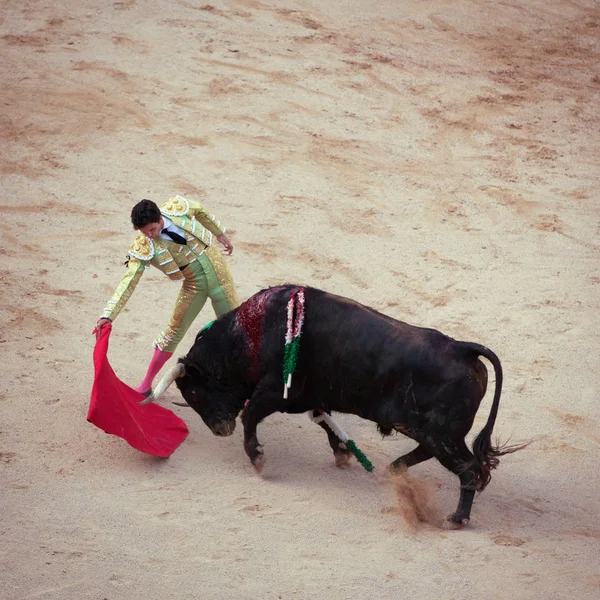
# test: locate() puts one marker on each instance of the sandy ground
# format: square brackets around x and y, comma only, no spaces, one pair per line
[435,160]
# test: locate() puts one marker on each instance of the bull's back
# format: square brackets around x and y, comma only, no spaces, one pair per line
[361,349]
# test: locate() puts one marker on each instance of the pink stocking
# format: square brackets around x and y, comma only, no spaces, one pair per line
[159,358]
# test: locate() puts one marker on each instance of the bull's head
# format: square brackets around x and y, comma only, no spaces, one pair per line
[209,396]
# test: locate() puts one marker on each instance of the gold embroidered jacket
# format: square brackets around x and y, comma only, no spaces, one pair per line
[199,228]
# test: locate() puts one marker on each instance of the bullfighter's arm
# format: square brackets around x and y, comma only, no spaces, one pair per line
[209,222]
[135,270]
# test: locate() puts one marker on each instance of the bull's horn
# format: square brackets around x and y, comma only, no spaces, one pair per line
[174,373]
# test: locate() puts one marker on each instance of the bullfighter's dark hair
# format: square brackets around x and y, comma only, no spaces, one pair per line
[143,213]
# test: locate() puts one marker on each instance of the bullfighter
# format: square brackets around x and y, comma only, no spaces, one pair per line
[176,238]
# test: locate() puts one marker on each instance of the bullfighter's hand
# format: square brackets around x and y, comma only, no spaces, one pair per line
[100,324]
[226,243]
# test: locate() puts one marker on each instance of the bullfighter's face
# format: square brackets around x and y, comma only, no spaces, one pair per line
[210,402]
[152,230]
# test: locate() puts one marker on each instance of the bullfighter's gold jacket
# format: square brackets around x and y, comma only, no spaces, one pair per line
[199,228]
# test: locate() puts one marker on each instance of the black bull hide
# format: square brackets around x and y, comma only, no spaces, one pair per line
[352,359]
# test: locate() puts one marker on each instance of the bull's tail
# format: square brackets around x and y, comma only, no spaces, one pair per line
[486,454]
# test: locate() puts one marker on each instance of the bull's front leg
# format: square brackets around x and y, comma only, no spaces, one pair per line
[262,404]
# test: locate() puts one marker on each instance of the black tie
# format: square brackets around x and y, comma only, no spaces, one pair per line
[178,239]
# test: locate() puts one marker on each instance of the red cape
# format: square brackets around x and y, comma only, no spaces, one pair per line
[114,408]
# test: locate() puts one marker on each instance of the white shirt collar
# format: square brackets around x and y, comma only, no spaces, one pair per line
[168,224]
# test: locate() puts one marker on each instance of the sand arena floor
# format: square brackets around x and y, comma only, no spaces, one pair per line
[437,161]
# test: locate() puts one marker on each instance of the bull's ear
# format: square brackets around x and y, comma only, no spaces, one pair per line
[194,370]
[191,369]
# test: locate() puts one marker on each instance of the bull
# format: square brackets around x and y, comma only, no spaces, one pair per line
[351,359]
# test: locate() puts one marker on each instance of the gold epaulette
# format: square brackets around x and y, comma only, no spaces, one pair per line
[175,207]
[142,247]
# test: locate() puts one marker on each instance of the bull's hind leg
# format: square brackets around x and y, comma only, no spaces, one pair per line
[456,457]
[414,457]
[341,454]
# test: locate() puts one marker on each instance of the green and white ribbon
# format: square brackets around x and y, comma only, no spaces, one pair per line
[342,435]
[295,321]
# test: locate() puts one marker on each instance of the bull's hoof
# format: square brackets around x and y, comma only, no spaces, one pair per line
[342,459]
[397,467]
[452,523]
[258,462]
